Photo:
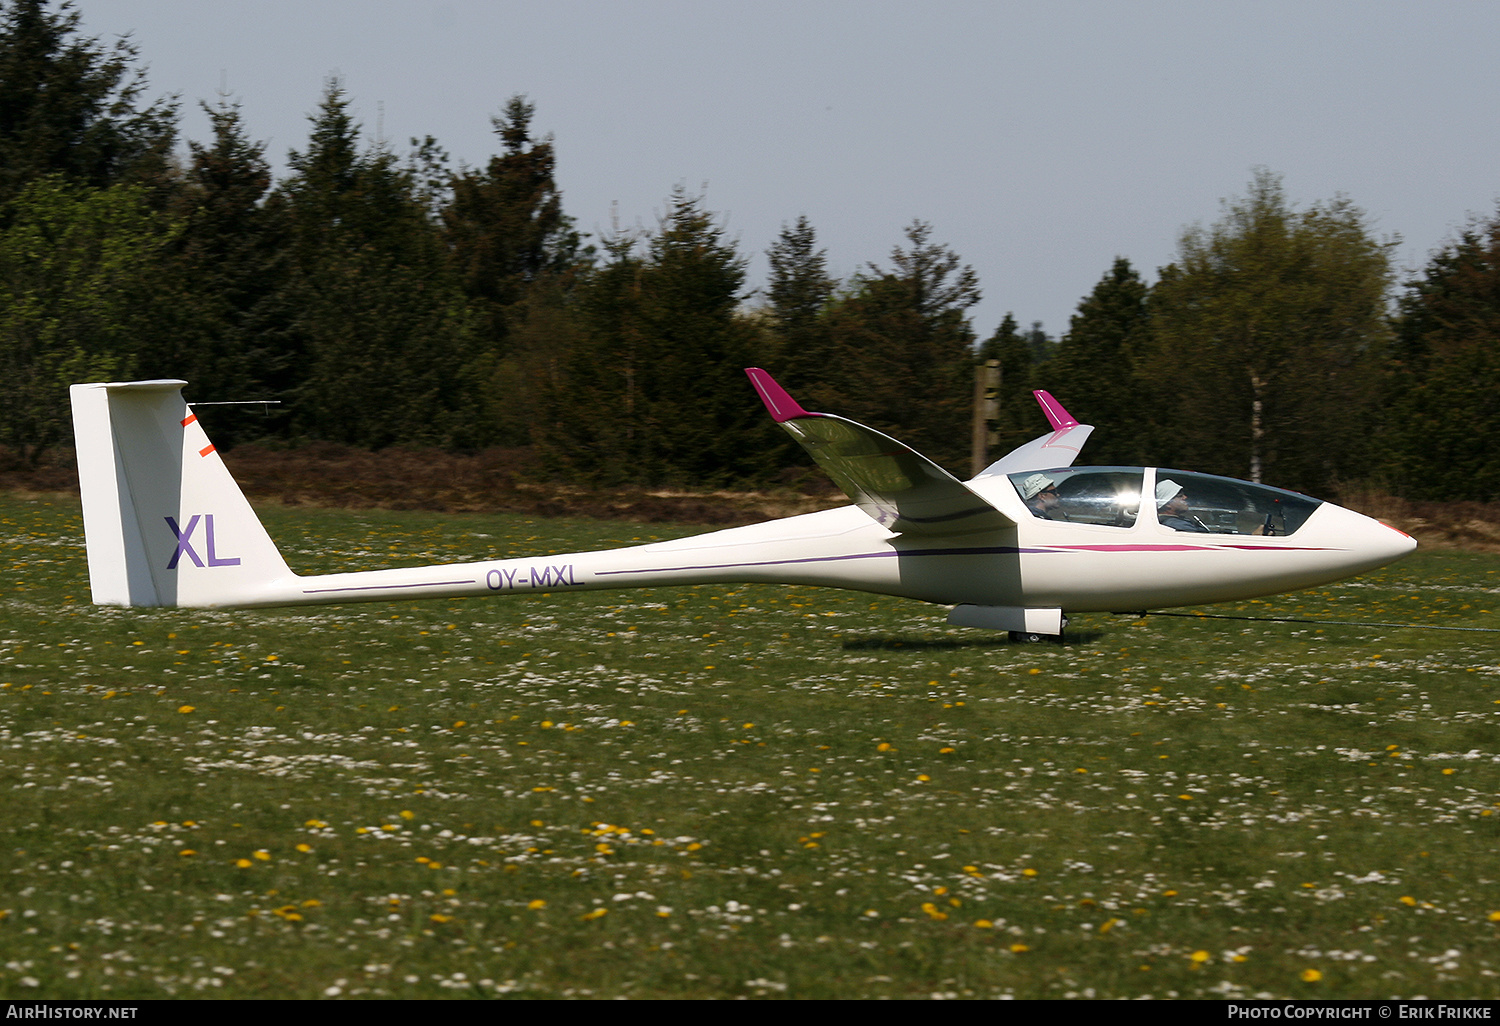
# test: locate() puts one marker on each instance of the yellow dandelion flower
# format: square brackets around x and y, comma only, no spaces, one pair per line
[1495,917]
[304,848]
[884,746]
[243,863]
[408,814]
[187,851]
[595,914]
[1018,948]
[983,924]
[1028,871]
[263,855]
[1311,976]
[536,904]
[1199,957]
[438,917]
[185,708]
[1408,900]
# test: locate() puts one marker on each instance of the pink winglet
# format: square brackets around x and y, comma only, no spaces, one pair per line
[1056,415]
[782,406]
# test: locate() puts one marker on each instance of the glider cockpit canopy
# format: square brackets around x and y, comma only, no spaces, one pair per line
[1111,497]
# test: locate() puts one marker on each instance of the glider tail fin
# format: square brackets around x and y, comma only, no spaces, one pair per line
[164,522]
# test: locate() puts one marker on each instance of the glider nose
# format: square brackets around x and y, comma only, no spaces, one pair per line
[1370,542]
[1395,542]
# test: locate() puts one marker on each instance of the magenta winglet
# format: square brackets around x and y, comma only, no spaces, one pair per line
[782,406]
[1058,417]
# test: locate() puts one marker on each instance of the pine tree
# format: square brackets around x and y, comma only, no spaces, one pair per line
[224,271]
[691,290]
[1016,417]
[655,391]
[505,226]
[798,294]
[1443,394]
[904,349]
[377,332]
[1093,373]
[70,106]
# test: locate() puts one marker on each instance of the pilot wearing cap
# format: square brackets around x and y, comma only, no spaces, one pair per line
[1172,508]
[1040,493]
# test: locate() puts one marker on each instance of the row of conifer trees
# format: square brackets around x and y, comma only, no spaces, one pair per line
[389,299]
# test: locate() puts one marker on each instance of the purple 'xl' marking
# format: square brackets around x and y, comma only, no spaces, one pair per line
[183,544]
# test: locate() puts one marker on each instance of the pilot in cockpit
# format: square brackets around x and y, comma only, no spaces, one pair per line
[1172,508]
[1040,493]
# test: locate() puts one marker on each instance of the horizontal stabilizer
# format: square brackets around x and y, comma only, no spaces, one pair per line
[900,488]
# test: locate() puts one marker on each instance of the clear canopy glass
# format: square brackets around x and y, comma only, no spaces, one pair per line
[1107,496]
[1184,501]
[1223,505]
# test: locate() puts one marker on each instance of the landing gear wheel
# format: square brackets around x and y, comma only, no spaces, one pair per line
[1035,637]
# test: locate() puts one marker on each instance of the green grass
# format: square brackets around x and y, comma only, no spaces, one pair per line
[735,791]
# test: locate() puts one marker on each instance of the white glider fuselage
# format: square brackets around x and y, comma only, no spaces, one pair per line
[1036,563]
[167,525]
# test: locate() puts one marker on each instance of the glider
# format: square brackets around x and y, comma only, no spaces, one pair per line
[1026,541]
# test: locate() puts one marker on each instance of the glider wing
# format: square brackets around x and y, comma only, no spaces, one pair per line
[900,488]
[1059,448]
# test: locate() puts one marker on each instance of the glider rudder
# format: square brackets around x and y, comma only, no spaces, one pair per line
[163,520]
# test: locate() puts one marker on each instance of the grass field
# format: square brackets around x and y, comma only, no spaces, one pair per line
[735,791]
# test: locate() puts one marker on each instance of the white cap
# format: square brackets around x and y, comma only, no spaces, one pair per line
[1035,485]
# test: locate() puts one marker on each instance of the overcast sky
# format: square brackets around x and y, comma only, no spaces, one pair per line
[1040,139]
